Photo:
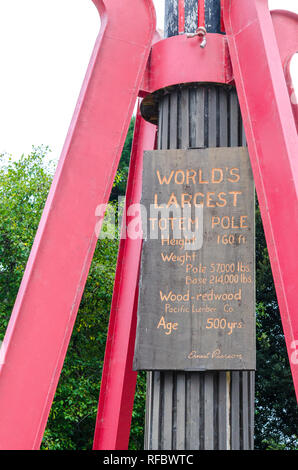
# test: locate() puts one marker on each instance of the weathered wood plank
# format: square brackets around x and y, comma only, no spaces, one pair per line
[184,104]
[234,119]
[223,118]
[212,120]
[194,412]
[168,411]
[191,16]
[173,137]
[148,417]
[223,418]
[235,411]
[181,410]
[165,123]
[200,114]
[156,412]
[209,411]
[245,421]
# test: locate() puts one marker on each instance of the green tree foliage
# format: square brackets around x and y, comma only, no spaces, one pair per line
[121,177]
[24,186]
[276,405]
[72,418]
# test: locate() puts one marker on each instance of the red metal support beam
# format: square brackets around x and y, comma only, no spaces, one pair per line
[181,16]
[286,30]
[42,320]
[201,13]
[222,24]
[273,147]
[118,379]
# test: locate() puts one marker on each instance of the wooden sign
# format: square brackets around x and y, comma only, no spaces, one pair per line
[197,283]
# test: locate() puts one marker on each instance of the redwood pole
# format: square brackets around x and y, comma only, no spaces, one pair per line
[213,409]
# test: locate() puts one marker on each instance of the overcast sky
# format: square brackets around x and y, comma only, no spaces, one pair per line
[45,49]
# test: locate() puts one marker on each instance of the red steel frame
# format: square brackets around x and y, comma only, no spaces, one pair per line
[41,324]
[272,142]
[222,25]
[286,31]
[181,16]
[201,13]
[40,327]
[118,383]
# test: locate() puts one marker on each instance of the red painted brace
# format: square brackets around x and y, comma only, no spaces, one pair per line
[272,140]
[201,13]
[181,16]
[41,324]
[40,327]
